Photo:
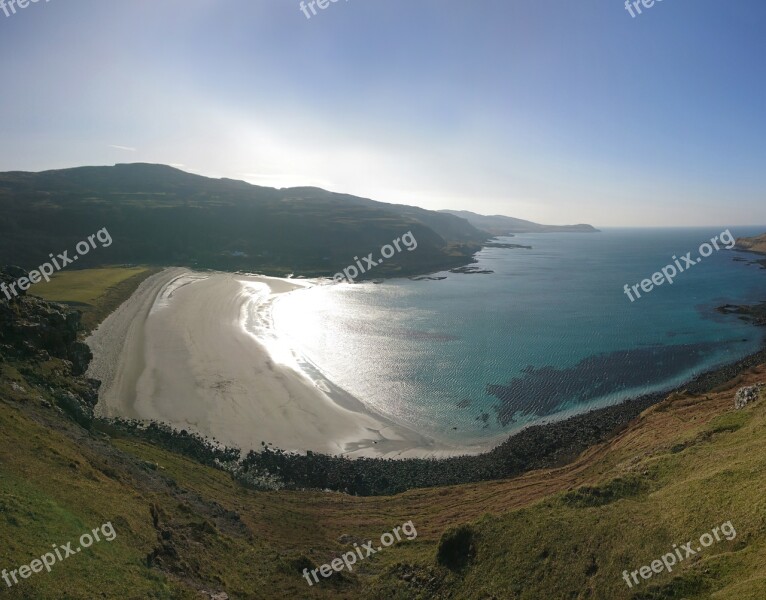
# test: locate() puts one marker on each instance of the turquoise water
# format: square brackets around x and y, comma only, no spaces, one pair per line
[550,333]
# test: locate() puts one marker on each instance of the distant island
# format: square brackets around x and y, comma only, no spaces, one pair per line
[502,225]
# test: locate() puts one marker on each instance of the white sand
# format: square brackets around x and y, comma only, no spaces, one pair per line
[176,352]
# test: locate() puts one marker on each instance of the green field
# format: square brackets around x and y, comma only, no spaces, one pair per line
[96,292]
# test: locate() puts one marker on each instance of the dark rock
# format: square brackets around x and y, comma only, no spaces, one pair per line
[79,355]
[74,407]
[471,270]
[9,275]
[33,330]
[506,246]
[36,329]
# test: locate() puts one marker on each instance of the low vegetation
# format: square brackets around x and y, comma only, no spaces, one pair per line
[94,292]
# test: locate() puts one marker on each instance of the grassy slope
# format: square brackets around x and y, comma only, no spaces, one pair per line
[697,464]
[95,292]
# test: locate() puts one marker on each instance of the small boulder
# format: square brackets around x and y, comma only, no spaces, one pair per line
[747,395]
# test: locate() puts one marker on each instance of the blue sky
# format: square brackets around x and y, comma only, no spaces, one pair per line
[558,111]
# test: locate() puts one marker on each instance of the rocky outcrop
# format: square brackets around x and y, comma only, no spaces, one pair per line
[33,328]
[35,331]
[747,395]
[79,406]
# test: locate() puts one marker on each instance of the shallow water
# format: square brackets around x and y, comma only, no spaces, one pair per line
[550,333]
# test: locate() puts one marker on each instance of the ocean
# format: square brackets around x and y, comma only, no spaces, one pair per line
[550,333]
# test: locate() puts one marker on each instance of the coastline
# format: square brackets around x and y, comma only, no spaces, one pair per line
[338,424]
[554,444]
[539,447]
[196,367]
[564,440]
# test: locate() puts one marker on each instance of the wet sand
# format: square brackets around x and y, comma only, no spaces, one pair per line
[177,352]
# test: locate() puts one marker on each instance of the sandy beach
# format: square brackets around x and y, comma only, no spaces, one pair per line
[177,352]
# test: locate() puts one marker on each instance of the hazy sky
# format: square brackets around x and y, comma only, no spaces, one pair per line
[557,111]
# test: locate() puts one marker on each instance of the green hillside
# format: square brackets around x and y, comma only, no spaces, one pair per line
[158,215]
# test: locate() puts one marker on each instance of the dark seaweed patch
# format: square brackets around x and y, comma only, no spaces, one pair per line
[544,391]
